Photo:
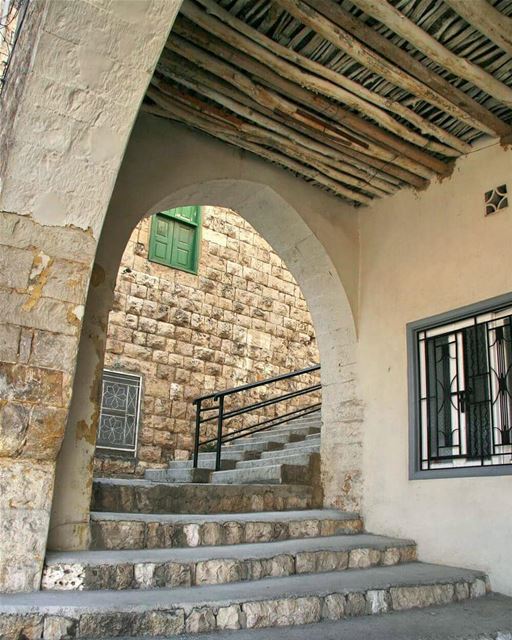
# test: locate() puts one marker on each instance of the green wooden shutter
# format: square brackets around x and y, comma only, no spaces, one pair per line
[183,247]
[160,241]
[174,238]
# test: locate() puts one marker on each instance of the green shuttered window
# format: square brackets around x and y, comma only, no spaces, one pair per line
[174,238]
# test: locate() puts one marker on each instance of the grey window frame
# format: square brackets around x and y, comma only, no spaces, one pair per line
[412,328]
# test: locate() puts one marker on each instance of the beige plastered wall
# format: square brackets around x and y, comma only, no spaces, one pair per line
[423,254]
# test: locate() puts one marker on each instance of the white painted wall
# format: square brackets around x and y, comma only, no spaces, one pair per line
[423,254]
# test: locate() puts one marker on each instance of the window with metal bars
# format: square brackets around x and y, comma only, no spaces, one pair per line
[120,411]
[460,388]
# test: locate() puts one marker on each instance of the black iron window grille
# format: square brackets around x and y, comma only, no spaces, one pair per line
[463,393]
[120,411]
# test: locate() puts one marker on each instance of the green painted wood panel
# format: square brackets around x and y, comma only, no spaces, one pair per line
[174,238]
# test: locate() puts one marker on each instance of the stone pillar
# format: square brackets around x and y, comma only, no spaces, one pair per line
[77,77]
[43,278]
[69,525]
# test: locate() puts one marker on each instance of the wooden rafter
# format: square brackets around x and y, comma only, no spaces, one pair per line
[183,112]
[488,20]
[380,162]
[328,95]
[424,42]
[255,123]
[409,73]
[309,73]
[285,96]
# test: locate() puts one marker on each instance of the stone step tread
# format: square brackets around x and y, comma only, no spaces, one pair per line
[144,496]
[269,474]
[413,574]
[238,552]
[309,442]
[186,567]
[268,455]
[160,531]
[286,458]
[178,475]
[489,617]
[205,463]
[262,445]
[313,426]
[255,516]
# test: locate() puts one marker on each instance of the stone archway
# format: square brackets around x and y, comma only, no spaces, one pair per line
[277,206]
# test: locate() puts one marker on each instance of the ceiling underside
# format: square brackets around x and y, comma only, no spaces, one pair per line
[360,97]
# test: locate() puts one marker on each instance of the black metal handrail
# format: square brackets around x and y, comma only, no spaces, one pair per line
[221,415]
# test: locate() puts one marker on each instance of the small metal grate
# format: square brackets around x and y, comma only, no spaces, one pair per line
[496,199]
[120,411]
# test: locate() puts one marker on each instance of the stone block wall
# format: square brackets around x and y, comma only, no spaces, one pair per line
[242,318]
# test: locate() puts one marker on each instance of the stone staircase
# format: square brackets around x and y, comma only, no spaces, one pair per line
[282,455]
[245,554]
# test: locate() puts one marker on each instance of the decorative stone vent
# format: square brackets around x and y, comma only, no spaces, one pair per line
[496,199]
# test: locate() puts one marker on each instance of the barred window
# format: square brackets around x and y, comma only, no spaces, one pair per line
[120,410]
[461,391]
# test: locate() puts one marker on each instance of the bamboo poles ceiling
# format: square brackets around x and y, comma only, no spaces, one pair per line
[359,97]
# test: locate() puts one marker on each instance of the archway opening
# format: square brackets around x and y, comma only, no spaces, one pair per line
[274,204]
[202,303]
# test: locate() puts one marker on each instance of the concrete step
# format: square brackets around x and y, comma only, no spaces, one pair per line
[151,531]
[303,443]
[248,445]
[142,496]
[207,460]
[178,475]
[283,430]
[284,457]
[306,446]
[207,463]
[271,436]
[271,602]
[486,618]
[266,474]
[173,568]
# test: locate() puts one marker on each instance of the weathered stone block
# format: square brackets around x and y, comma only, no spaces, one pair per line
[230,618]
[200,620]
[29,627]
[333,607]
[421,596]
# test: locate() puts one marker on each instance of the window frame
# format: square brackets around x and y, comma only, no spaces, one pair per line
[173,214]
[125,452]
[413,365]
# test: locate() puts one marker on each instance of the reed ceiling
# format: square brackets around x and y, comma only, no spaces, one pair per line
[359,97]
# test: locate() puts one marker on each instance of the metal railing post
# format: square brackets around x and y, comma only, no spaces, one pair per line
[220,420]
[198,433]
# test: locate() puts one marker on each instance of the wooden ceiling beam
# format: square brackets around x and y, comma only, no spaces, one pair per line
[276,104]
[185,114]
[393,173]
[438,53]
[289,91]
[481,15]
[416,77]
[247,131]
[332,84]
[324,152]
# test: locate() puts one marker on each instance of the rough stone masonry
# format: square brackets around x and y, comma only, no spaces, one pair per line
[241,318]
